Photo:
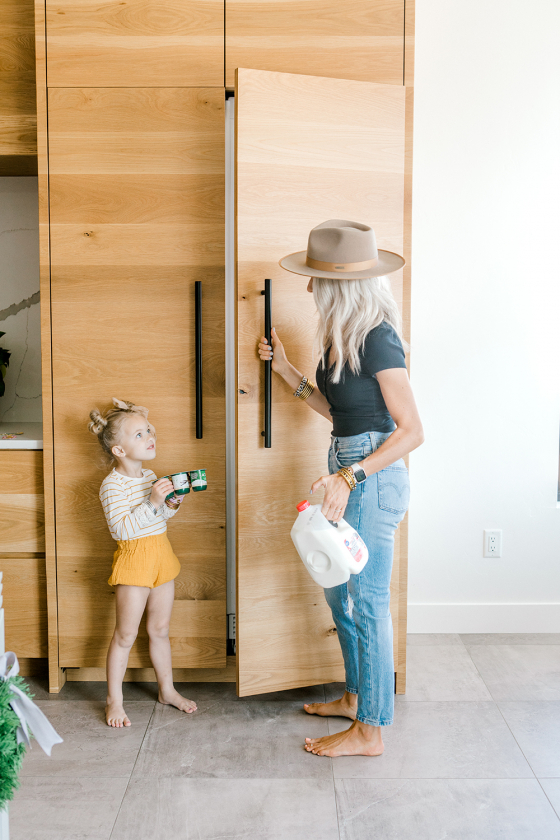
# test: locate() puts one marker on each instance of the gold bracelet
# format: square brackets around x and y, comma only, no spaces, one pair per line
[348,477]
[308,389]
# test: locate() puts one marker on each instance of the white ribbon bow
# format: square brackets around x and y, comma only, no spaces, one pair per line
[28,713]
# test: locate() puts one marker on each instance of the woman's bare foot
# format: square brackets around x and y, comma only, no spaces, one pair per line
[345,707]
[115,714]
[360,739]
[171,697]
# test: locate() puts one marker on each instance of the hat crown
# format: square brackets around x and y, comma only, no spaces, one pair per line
[342,241]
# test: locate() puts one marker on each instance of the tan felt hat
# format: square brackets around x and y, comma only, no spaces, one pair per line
[342,250]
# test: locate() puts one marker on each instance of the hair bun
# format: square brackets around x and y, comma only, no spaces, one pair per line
[125,405]
[98,422]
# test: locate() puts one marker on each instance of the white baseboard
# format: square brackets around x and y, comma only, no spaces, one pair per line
[484,618]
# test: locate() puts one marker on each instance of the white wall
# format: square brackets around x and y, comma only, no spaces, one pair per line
[486,316]
[19,298]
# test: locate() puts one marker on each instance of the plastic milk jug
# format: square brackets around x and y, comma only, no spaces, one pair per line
[330,552]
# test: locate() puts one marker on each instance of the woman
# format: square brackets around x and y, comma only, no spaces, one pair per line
[365,392]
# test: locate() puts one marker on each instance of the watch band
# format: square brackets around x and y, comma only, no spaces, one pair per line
[359,473]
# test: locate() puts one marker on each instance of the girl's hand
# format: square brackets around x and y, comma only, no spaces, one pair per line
[162,488]
[276,352]
[336,496]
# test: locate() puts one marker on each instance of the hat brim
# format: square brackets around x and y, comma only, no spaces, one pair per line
[388,262]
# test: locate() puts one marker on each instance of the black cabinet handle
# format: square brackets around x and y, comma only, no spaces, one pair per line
[267,365]
[198,354]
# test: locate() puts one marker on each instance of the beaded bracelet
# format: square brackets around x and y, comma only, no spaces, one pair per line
[348,477]
[304,389]
[301,386]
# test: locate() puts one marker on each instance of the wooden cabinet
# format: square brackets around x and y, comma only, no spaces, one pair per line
[359,39]
[131,184]
[136,183]
[308,149]
[22,555]
[18,109]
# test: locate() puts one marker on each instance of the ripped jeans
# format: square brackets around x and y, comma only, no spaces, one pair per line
[360,608]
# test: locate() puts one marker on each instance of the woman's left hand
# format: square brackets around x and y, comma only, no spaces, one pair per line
[337,492]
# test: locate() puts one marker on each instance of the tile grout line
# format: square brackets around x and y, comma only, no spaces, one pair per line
[510,729]
[332,773]
[132,771]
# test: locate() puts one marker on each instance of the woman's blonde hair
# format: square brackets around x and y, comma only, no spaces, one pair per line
[348,311]
[106,426]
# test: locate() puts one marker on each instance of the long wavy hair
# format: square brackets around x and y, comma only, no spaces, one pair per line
[348,311]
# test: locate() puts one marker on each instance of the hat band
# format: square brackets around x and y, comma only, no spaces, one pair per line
[330,266]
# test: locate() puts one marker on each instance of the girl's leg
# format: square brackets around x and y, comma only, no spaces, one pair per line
[131,601]
[160,604]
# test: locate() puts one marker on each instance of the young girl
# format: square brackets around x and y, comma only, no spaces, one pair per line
[144,565]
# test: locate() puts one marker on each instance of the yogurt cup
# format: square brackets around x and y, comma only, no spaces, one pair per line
[198,480]
[181,483]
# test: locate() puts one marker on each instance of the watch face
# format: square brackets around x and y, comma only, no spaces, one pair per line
[359,474]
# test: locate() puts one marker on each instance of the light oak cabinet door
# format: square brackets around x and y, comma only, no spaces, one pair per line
[308,149]
[137,216]
[358,39]
[137,43]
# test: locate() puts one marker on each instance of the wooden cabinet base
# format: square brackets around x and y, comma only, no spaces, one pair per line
[226,674]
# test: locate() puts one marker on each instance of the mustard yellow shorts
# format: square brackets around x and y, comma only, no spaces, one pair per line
[148,561]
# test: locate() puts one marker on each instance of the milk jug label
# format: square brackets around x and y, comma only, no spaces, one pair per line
[355,546]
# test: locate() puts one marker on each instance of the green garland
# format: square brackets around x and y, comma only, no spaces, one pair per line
[11,753]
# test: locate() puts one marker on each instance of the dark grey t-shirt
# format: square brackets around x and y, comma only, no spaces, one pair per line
[356,402]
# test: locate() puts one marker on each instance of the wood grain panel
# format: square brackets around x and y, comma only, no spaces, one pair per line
[136,180]
[22,523]
[195,632]
[25,605]
[18,110]
[140,43]
[360,39]
[227,674]
[308,149]
[21,471]
[56,674]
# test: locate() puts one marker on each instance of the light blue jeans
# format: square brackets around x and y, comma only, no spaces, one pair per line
[360,608]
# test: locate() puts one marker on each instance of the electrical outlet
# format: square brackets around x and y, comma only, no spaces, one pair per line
[231,626]
[492,543]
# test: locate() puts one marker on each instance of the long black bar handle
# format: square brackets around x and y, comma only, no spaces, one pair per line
[198,354]
[267,365]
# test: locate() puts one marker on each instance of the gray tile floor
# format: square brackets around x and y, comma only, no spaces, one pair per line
[474,754]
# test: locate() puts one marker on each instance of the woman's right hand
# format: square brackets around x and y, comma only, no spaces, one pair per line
[162,488]
[276,352]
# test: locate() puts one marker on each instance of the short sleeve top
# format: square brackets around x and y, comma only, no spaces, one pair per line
[356,402]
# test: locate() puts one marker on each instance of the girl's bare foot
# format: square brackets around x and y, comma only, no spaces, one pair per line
[171,697]
[345,707]
[360,739]
[115,714]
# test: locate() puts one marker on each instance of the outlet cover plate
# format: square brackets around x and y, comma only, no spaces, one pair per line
[492,543]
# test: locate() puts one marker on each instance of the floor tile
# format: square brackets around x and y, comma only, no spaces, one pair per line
[510,638]
[431,639]
[474,809]
[225,739]
[90,748]
[439,740]
[66,809]
[228,809]
[443,672]
[536,728]
[519,672]
[90,690]
[552,789]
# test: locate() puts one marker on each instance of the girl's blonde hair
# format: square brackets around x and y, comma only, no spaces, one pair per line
[348,311]
[106,426]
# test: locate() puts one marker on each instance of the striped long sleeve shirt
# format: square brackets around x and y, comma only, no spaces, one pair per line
[123,500]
